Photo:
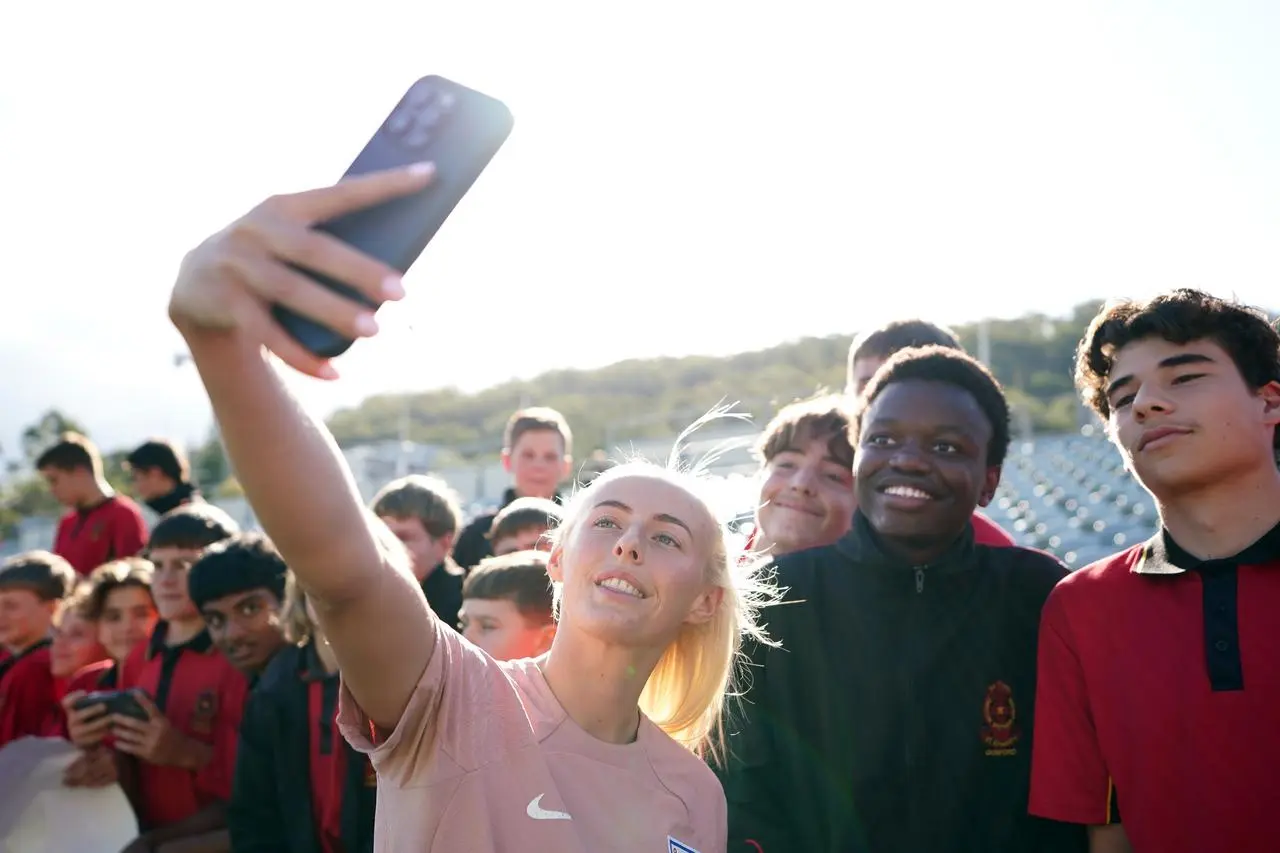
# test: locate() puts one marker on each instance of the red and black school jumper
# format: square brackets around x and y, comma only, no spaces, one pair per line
[299,787]
[202,695]
[27,693]
[110,530]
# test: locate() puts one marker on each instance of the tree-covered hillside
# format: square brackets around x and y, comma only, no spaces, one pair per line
[640,398]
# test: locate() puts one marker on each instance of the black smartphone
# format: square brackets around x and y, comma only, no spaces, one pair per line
[123,702]
[437,120]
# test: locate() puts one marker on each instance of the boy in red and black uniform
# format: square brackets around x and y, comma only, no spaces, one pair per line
[1159,682]
[100,525]
[183,755]
[299,787]
[238,587]
[31,587]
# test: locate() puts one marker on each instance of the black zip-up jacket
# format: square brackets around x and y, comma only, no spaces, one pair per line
[270,808]
[472,544]
[896,717]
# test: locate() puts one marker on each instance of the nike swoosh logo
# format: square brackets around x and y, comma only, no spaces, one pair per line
[537,812]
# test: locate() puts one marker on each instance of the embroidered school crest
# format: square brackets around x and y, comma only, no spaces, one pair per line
[674,846]
[1001,732]
[206,708]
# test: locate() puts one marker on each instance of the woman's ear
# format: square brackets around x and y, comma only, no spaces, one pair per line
[705,606]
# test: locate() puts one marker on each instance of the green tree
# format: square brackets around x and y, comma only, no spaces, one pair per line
[37,437]
[1032,356]
[209,465]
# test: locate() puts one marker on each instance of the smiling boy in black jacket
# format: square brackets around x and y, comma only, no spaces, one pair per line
[897,714]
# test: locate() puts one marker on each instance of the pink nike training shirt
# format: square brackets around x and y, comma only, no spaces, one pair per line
[485,760]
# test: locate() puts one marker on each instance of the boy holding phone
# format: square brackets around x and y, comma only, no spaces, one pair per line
[31,587]
[179,760]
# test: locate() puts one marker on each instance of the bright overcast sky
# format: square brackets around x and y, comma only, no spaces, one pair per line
[683,177]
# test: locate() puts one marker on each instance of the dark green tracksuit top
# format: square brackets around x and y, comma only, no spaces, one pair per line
[897,716]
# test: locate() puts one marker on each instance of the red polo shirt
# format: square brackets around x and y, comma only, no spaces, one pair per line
[987,532]
[203,696]
[27,693]
[113,529]
[1159,697]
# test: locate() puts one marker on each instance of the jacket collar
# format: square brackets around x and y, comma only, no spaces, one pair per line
[862,545]
[183,493]
[510,495]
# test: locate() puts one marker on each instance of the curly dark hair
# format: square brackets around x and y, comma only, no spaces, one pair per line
[1179,317]
[953,367]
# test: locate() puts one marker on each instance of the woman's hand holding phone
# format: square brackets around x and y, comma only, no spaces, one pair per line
[228,284]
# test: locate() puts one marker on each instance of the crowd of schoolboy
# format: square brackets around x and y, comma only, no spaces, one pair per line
[929,687]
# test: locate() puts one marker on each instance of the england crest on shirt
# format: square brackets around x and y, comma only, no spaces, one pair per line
[674,846]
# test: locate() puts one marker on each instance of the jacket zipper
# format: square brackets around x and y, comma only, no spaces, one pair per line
[909,757]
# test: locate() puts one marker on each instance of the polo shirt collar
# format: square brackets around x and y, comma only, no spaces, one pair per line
[1162,556]
[201,642]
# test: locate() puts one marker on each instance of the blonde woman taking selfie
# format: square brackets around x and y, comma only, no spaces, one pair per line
[595,746]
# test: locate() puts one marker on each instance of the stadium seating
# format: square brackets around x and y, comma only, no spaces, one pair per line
[1070,495]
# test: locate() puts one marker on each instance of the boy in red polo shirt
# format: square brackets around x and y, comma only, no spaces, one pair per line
[100,525]
[1159,684]
[183,755]
[31,587]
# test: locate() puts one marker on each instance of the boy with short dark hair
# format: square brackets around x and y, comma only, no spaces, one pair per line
[299,786]
[238,587]
[522,524]
[161,475]
[424,515]
[537,450]
[32,585]
[1160,666]
[939,759]
[99,525]
[184,752]
[507,606]
[870,350]
[874,347]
